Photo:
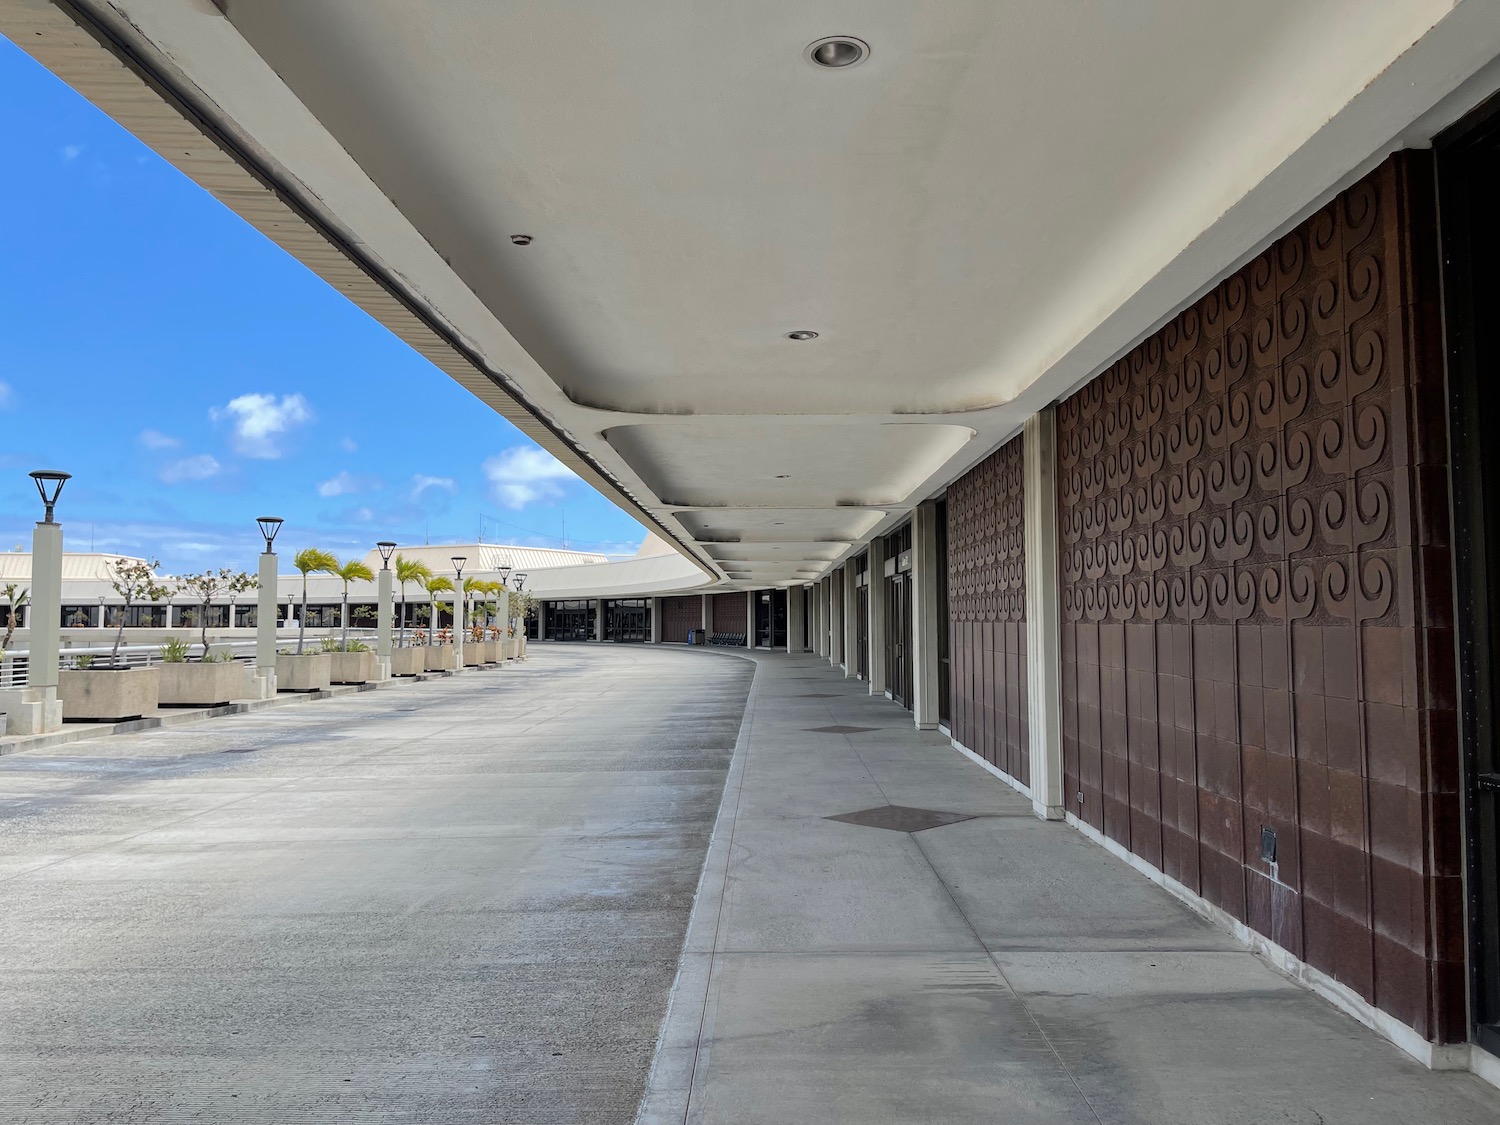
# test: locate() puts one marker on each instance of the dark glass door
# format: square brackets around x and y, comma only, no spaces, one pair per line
[1468,170]
[627,621]
[898,638]
[862,632]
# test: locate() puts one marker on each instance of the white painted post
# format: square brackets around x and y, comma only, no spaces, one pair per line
[507,647]
[706,615]
[656,621]
[385,613]
[836,617]
[45,632]
[796,639]
[851,622]
[1043,614]
[875,596]
[265,625]
[924,623]
[599,619]
[750,638]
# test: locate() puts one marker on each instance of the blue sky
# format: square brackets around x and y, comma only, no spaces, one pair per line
[192,376]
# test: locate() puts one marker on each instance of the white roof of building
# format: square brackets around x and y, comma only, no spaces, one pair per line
[15,566]
[488,557]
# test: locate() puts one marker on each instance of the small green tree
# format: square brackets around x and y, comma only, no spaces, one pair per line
[409,570]
[435,586]
[16,596]
[204,588]
[134,580]
[348,571]
[308,560]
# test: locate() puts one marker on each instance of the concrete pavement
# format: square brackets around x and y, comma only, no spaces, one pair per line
[462,901]
[844,970]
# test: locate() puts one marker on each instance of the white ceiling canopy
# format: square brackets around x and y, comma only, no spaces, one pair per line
[618,214]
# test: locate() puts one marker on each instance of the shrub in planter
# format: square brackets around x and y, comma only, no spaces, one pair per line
[209,682]
[311,671]
[350,662]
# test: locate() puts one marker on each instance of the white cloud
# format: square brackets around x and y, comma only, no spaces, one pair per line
[200,467]
[420,484]
[155,439]
[525,474]
[7,396]
[71,152]
[348,444]
[260,419]
[347,483]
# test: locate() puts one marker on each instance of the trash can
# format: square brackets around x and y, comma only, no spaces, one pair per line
[695,636]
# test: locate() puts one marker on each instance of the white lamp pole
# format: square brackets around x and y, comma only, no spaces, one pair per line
[45,618]
[265,609]
[458,610]
[384,610]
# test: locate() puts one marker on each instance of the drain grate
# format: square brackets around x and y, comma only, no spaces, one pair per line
[838,729]
[901,818]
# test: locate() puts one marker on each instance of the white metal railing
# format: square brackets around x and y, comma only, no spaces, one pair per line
[13,667]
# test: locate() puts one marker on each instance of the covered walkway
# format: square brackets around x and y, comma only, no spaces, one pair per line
[887,934]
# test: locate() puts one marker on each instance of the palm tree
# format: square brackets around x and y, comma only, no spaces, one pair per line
[16,596]
[435,586]
[473,586]
[409,570]
[308,560]
[348,571]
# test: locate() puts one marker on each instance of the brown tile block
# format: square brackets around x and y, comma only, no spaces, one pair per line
[1344,748]
[1340,665]
[1313,799]
[1307,660]
[1275,654]
[1223,881]
[1252,716]
[1146,837]
[1311,727]
[1446,904]
[1281,788]
[1445,827]
[1383,663]
[1346,807]
[1402,984]
[1398,900]
[1391,745]
[1441,681]
[1320,936]
[1251,659]
[1277,722]
[1226,710]
[1435,566]
[1450,990]
[1351,886]
[1354,957]
[1396,824]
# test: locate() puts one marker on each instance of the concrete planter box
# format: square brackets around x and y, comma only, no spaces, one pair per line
[312,671]
[201,685]
[473,654]
[440,658]
[106,695]
[351,667]
[408,661]
[492,654]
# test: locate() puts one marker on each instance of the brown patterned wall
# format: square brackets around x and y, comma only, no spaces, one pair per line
[1256,602]
[729,612]
[678,615]
[987,610]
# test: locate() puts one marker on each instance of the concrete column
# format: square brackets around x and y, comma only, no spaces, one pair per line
[814,615]
[750,596]
[599,619]
[459,600]
[656,621]
[171,616]
[851,621]
[1043,614]
[385,615]
[824,590]
[796,627]
[265,625]
[836,617]
[876,600]
[502,613]
[45,619]
[706,615]
[924,611]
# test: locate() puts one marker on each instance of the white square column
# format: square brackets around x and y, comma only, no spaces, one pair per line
[750,596]
[706,614]
[924,613]
[385,614]
[656,621]
[836,617]
[599,619]
[1043,614]
[875,599]
[851,621]
[796,624]
[265,625]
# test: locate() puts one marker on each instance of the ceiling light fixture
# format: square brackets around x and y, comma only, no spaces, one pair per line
[802,334]
[521,239]
[838,51]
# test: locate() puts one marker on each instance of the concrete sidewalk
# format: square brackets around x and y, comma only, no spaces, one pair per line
[994,969]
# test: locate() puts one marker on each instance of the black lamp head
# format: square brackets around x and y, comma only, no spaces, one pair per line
[504,575]
[385,547]
[49,483]
[269,526]
[520,581]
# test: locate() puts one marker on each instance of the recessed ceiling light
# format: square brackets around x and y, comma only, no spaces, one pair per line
[802,334]
[838,51]
[521,239]
[782,476]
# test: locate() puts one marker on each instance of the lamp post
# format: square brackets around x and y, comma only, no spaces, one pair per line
[101,612]
[384,610]
[265,608]
[521,627]
[46,603]
[458,610]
